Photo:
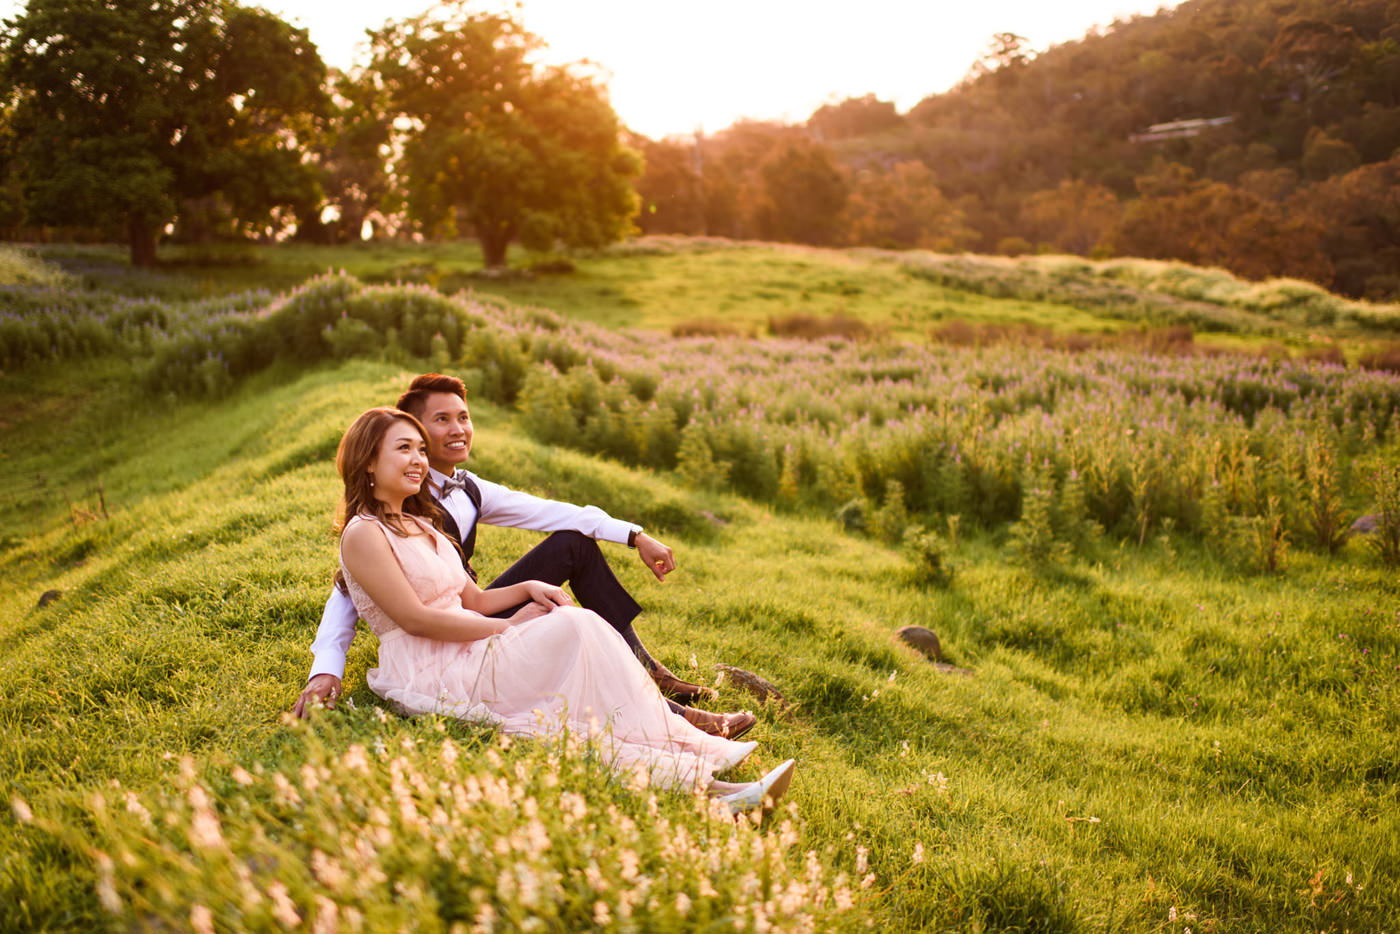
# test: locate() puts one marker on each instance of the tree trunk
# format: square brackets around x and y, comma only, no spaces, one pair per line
[494,244]
[141,234]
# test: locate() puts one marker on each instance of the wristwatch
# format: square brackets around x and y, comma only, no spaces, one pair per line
[632,538]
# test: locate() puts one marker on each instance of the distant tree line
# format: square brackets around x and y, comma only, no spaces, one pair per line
[1039,152]
[202,120]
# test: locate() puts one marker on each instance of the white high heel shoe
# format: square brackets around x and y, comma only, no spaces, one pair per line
[738,755]
[763,793]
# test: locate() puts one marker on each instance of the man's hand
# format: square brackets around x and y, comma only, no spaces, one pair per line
[322,688]
[656,556]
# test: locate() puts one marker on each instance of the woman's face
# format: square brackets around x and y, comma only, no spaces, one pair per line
[401,464]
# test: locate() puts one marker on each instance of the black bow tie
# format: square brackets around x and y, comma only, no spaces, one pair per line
[453,482]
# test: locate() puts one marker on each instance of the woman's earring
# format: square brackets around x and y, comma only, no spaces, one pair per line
[371,481]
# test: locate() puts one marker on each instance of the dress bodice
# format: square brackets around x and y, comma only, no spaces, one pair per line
[429,562]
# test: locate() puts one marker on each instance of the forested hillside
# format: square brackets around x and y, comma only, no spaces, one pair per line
[1292,169]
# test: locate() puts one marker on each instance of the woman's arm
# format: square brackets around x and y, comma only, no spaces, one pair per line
[371,561]
[497,599]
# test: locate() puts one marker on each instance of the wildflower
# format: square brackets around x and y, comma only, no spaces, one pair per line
[136,808]
[682,904]
[201,920]
[327,916]
[241,776]
[903,748]
[327,870]
[862,860]
[106,890]
[282,907]
[485,920]
[1171,913]
[205,832]
[918,853]
[309,778]
[21,809]
[629,860]
[601,915]
[449,753]
[284,793]
[693,662]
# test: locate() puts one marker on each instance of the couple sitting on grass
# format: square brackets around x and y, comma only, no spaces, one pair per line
[518,653]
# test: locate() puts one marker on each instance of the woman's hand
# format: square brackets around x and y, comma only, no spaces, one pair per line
[547,596]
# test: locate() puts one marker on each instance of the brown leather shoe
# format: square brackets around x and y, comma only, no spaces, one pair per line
[680,691]
[724,725]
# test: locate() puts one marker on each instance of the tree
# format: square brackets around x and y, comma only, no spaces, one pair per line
[1076,216]
[904,208]
[672,190]
[123,111]
[1212,224]
[854,116]
[352,154]
[495,144]
[803,194]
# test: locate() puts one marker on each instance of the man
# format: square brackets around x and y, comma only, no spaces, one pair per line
[569,554]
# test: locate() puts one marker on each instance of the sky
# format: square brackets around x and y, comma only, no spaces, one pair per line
[674,68]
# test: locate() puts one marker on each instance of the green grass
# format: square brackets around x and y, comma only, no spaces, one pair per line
[1145,730]
[662,283]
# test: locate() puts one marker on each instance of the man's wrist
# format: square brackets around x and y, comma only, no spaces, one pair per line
[632,538]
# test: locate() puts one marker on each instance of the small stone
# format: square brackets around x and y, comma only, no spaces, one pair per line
[925,640]
[952,669]
[49,596]
[761,689]
[1365,525]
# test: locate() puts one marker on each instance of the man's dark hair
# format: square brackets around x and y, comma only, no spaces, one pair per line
[415,400]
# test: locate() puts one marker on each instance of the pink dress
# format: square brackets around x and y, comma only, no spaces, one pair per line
[565,671]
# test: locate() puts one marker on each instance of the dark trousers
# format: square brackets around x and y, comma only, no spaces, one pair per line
[575,558]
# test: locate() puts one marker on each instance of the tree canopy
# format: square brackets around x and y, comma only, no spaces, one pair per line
[496,145]
[124,114]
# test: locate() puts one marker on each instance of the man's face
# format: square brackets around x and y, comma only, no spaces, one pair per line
[449,427]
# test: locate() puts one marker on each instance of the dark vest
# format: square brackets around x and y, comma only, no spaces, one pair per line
[449,525]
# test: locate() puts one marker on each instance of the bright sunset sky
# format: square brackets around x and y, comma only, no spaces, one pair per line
[675,67]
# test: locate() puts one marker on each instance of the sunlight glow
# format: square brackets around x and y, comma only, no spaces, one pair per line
[674,68]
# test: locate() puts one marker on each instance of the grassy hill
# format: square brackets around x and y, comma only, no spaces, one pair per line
[1157,735]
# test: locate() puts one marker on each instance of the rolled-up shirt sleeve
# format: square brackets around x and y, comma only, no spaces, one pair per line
[503,506]
[333,636]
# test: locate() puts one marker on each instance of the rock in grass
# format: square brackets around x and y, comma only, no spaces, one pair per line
[925,640]
[760,688]
[1365,525]
[49,596]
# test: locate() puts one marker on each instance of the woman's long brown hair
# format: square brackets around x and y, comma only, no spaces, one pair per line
[358,449]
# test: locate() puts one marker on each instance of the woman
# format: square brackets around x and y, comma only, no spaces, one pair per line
[549,668]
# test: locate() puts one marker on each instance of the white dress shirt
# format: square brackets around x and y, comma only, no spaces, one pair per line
[500,505]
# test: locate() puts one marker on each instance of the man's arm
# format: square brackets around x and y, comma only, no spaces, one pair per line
[500,505]
[333,638]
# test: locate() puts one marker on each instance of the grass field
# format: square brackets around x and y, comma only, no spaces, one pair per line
[1152,739]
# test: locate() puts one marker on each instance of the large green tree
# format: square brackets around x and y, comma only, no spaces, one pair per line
[497,145]
[123,112]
